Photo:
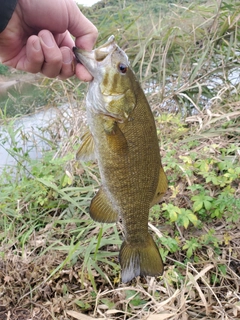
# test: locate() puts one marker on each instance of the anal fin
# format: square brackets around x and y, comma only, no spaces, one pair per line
[101,209]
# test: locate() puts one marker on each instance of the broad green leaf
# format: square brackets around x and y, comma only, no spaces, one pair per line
[204,167]
[185,221]
[173,216]
[207,205]
[197,206]
[193,218]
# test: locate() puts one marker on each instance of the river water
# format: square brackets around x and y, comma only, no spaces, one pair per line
[33,134]
[43,128]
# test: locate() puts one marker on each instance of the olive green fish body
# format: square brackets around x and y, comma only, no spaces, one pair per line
[126,147]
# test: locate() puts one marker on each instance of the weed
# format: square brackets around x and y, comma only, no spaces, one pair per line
[3,69]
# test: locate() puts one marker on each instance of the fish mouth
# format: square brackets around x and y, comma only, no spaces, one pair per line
[86,58]
[90,59]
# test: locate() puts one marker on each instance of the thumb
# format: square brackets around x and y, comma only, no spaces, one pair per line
[82,29]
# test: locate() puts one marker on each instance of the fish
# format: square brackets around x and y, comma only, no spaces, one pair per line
[122,137]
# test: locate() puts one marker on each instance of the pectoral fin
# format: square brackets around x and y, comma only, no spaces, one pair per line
[101,208]
[115,137]
[161,187]
[86,150]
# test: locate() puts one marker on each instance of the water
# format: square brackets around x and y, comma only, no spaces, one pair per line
[41,128]
[33,134]
[21,94]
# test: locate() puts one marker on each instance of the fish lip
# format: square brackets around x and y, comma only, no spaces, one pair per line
[110,42]
[91,59]
[75,51]
[86,58]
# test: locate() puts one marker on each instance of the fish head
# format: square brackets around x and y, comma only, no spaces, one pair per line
[111,89]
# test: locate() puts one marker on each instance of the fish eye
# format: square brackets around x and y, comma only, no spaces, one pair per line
[122,68]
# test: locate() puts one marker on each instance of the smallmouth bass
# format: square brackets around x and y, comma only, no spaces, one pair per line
[124,141]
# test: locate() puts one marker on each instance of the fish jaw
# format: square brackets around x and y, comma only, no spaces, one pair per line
[97,59]
[86,58]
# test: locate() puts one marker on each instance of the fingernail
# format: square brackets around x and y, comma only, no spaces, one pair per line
[36,45]
[47,38]
[67,56]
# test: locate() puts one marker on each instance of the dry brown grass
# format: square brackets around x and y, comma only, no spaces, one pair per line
[27,291]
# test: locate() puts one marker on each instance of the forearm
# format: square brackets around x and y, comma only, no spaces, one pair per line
[6,11]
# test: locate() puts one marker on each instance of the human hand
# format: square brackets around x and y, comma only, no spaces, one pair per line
[38,38]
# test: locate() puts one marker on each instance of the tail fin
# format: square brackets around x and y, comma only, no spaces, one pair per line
[140,260]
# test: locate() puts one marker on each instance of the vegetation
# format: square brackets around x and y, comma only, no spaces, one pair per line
[56,263]
[3,69]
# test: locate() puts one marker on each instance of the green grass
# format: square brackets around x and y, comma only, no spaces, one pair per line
[3,69]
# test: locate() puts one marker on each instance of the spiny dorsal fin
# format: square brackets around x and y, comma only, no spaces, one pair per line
[101,209]
[86,150]
[161,187]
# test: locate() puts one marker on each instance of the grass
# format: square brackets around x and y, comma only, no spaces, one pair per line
[56,263]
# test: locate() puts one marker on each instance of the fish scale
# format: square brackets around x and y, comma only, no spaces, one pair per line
[125,142]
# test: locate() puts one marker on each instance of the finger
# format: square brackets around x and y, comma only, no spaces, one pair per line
[82,73]
[81,28]
[87,37]
[52,54]
[67,63]
[30,58]
[65,39]
[34,58]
